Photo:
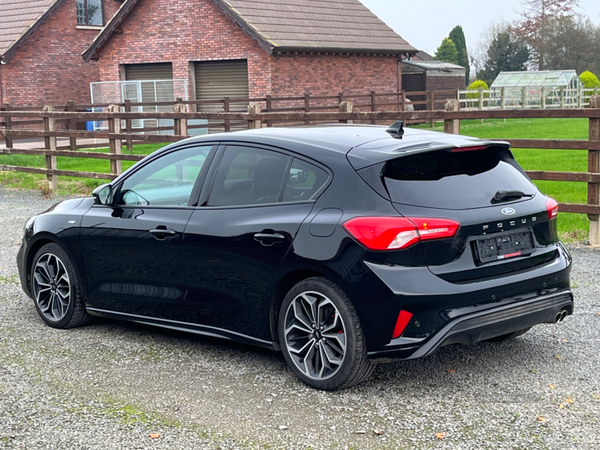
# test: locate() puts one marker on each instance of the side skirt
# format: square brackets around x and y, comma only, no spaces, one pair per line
[187,327]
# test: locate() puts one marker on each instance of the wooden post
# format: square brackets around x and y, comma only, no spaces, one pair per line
[523,97]
[114,144]
[502,99]
[579,99]
[71,125]
[432,107]
[480,102]
[452,126]
[594,167]
[346,107]
[180,125]
[254,108]
[269,109]
[307,105]
[403,101]
[50,144]
[128,125]
[543,98]
[8,140]
[562,98]
[373,104]
[226,108]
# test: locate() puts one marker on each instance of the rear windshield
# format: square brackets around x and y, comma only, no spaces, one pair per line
[454,180]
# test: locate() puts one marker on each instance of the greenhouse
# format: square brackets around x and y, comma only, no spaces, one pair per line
[543,89]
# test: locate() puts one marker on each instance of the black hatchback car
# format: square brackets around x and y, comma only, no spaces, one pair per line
[338,245]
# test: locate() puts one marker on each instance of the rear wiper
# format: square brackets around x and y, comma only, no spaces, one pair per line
[505,196]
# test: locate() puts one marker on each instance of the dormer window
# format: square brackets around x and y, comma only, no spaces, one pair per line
[89,12]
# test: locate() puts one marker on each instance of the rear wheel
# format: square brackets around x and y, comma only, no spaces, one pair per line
[321,336]
[55,289]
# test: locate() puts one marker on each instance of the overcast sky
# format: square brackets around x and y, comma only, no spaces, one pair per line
[424,23]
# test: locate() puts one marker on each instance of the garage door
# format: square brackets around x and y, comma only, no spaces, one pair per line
[218,79]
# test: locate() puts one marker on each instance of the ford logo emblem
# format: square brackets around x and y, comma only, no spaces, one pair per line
[508,211]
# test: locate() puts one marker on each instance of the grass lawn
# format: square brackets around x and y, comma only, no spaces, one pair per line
[66,185]
[571,226]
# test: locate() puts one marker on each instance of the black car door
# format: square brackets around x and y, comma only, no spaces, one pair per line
[132,248]
[235,241]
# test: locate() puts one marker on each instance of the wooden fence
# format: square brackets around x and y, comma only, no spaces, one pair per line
[118,131]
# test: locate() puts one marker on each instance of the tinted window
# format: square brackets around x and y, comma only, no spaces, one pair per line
[248,176]
[303,182]
[166,181]
[454,180]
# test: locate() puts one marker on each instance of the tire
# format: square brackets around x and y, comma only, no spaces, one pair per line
[321,337]
[55,289]
[506,337]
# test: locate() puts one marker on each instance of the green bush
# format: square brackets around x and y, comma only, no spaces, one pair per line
[589,80]
[475,86]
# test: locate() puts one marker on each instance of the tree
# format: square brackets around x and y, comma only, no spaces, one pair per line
[507,53]
[447,52]
[457,36]
[571,43]
[537,21]
[479,53]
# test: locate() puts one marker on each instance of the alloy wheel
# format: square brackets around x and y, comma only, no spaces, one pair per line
[315,335]
[51,287]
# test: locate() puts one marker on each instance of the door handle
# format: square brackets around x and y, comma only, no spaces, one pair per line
[161,232]
[268,239]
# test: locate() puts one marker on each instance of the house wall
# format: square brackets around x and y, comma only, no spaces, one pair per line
[48,68]
[331,74]
[182,32]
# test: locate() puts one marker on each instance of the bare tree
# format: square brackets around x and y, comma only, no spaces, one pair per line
[479,53]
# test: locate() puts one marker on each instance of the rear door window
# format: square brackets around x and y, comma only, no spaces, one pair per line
[454,179]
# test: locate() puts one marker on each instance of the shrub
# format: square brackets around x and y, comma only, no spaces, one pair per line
[589,80]
[475,86]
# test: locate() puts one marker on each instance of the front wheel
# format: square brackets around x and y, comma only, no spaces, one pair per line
[55,289]
[321,337]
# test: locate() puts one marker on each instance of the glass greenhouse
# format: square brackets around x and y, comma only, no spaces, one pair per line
[543,89]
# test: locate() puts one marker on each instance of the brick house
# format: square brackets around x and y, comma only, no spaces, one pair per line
[248,48]
[41,42]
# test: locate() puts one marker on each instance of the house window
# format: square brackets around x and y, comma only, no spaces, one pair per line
[89,12]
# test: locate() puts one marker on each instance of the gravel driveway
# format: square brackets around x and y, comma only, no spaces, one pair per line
[113,385]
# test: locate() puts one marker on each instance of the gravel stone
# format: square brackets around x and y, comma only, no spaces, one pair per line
[111,385]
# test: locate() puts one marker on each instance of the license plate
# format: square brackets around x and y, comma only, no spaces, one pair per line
[505,246]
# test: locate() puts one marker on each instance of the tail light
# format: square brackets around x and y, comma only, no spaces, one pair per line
[469,149]
[552,208]
[394,233]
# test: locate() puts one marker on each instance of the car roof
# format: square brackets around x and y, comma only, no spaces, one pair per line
[365,145]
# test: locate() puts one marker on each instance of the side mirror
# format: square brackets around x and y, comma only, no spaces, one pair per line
[103,194]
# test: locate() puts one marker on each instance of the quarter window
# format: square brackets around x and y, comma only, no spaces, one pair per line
[167,181]
[89,12]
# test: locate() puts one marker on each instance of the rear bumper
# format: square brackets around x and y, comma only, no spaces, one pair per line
[479,326]
[446,313]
